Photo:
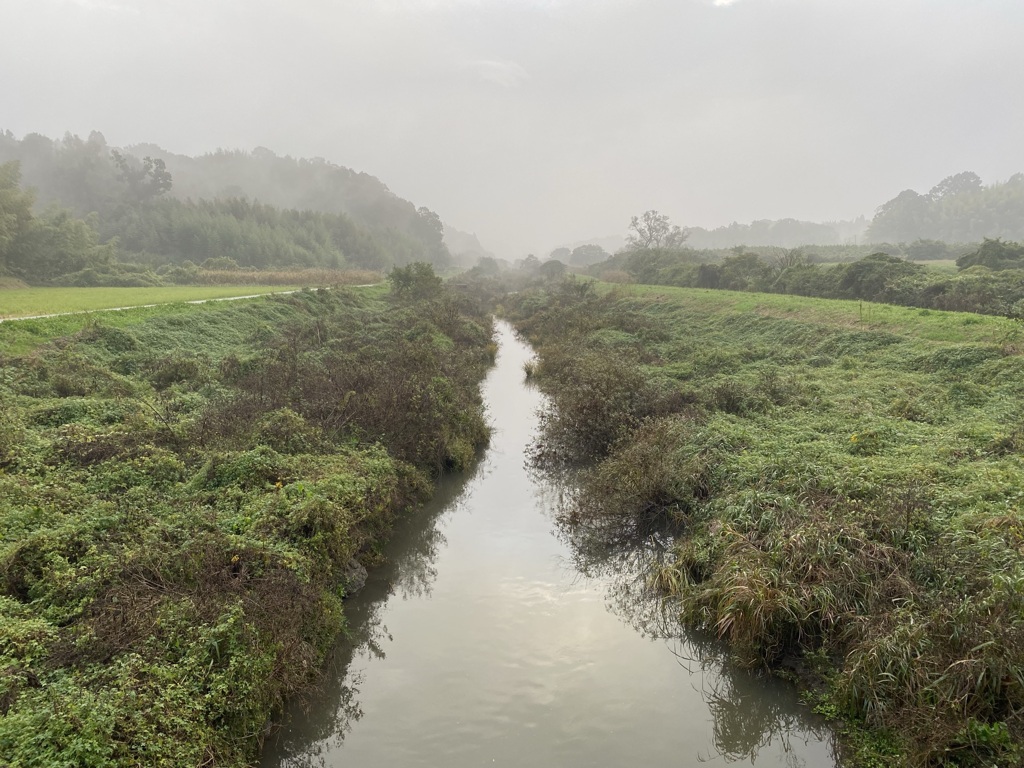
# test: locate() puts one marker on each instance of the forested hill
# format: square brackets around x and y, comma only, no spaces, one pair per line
[257,208]
[304,185]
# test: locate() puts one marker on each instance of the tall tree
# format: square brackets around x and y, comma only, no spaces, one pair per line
[653,230]
[586,255]
[146,179]
[958,184]
[15,212]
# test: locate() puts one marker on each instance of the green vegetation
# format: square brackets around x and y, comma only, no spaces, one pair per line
[959,209]
[76,212]
[781,233]
[836,488]
[187,494]
[990,279]
[42,301]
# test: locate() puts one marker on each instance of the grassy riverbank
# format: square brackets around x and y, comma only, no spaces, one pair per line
[186,495]
[841,485]
[24,302]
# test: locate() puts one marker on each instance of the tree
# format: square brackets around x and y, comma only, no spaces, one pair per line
[653,230]
[958,184]
[530,264]
[551,269]
[415,281]
[789,257]
[924,250]
[488,265]
[560,254]
[902,219]
[58,244]
[586,255]
[15,212]
[431,222]
[744,271]
[146,179]
[430,231]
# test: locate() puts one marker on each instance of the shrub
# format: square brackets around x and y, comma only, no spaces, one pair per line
[652,480]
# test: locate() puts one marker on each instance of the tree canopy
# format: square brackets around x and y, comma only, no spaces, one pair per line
[959,209]
[261,210]
[653,230]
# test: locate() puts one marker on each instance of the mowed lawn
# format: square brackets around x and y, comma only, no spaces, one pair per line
[29,302]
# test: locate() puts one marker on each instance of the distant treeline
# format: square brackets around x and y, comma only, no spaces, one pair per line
[783,233]
[990,279]
[959,209]
[72,204]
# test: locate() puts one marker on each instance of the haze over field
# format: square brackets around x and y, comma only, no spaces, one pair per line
[542,122]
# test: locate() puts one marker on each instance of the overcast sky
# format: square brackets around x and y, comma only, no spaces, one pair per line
[540,122]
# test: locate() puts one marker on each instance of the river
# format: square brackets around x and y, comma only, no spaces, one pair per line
[481,643]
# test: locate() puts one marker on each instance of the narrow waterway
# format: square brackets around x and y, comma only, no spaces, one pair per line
[481,643]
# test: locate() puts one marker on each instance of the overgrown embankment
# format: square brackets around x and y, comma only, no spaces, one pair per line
[187,494]
[843,500]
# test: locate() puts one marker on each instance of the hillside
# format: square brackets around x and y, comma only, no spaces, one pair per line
[255,208]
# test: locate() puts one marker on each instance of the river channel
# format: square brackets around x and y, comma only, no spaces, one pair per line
[481,643]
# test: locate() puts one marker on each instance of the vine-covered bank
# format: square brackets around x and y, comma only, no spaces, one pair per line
[188,493]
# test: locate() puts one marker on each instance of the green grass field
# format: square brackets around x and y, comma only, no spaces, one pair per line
[910,322]
[28,302]
[28,333]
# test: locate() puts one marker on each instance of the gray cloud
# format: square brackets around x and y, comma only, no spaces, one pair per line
[535,123]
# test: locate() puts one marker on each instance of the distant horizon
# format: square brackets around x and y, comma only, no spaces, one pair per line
[543,121]
[541,253]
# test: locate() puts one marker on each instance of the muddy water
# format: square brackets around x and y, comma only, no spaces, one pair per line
[482,643]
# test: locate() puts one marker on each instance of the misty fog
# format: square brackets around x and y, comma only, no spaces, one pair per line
[539,123]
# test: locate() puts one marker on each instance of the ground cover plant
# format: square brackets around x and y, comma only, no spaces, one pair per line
[187,495]
[838,490]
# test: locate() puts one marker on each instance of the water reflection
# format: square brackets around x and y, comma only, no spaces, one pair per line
[750,711]
[329,712]
[508,644]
